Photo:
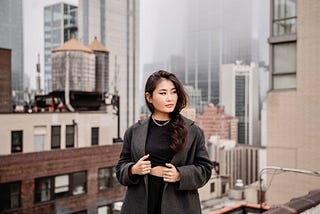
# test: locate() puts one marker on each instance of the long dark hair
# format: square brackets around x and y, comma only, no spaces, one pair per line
[179,131]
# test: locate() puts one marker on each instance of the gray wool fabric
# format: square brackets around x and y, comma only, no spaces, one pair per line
[192,162]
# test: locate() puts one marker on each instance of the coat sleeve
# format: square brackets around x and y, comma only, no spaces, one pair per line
[198,170]
[125,162]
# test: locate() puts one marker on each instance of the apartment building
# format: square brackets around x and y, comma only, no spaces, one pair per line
[58,163]
[293,103]
[214,121]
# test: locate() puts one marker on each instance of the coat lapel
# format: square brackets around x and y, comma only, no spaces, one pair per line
[140,138]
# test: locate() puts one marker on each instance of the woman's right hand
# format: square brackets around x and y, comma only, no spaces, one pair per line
[142,167]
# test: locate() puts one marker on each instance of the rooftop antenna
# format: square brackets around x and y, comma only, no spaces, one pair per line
[38,80]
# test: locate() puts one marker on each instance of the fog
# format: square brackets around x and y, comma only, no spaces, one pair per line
[163,25]
[168,27]
[193,38]
[167,24]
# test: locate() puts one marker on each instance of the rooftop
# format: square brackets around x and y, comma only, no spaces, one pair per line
[72,45]
[95,45]
[309,203]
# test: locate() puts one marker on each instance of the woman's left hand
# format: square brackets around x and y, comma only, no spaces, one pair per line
[171,174]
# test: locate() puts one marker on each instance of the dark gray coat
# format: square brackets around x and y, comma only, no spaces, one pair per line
[192,162]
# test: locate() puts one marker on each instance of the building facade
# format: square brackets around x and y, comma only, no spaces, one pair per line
[46,131]
[116,24]
[5,80]
[237,162]
[60,25]
[11,31]
[61,181]
[58,163]
[214,121]
[239,95]
[293,101]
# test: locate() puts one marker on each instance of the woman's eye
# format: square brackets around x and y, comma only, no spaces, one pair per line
[174,92]
[162,93]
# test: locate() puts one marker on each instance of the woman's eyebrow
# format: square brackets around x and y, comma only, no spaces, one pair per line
[163,89]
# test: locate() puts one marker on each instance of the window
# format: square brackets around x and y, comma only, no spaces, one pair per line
[105,209]
[38,143]
[69,136]
[283,44]
[55,137]
[94,136]
[104,178]
[284,65]
[224,188]
[16,141]
[10,194]
[284,17]
[79,182]
[43,189]
[60,186]
[107,178]
[212,187]
[113,208]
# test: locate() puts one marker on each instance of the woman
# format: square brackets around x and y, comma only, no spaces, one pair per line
[163,160]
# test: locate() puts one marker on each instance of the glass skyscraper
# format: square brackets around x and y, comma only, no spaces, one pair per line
[60,25]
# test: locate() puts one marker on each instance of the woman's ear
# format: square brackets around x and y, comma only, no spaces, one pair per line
[148,97]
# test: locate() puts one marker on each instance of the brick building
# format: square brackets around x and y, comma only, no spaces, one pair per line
[79,180]
[214,121]
[58,163]
[5,80]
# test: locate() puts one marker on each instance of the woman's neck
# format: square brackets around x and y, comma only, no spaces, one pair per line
[160,117]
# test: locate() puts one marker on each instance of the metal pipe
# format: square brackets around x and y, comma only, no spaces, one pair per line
[276,168]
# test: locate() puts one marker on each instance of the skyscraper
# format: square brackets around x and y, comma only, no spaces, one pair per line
[60,25]
[115,23]
[219,33]
[239,94]
[11,37]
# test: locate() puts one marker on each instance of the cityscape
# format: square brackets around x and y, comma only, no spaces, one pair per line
[72,76]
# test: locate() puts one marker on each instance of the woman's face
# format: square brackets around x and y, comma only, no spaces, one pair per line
[164,99]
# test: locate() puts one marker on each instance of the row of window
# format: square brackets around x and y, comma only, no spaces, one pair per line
[223,188]
[55,187]
[17,138]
